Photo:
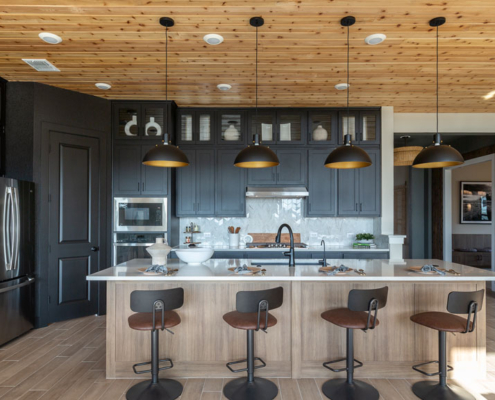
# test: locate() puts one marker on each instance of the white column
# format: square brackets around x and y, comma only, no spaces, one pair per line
[387,144]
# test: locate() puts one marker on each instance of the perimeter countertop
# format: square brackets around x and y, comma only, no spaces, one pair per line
[329,248]
[305,270]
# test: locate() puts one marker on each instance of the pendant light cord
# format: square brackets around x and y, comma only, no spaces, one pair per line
[348,85]
[437,79]
[165,133]
[256,137]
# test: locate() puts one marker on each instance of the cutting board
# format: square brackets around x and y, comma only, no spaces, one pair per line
[270,237]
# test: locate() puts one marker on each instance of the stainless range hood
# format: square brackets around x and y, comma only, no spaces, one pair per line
[289,192]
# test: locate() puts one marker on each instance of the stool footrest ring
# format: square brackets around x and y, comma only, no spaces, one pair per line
[263,365]
[326,365]
[168,360]
[416,368]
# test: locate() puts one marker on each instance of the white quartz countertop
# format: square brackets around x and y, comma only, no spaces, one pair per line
[305,270]
[309,248]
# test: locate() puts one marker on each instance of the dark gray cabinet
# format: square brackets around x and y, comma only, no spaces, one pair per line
[291,171]
[322,185]
[195,126]
[132,178]
[230,183]
[366,255]
[359,190]
[196,184]
[279,126]
[364,126]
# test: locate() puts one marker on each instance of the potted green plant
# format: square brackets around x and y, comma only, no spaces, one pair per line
[366,238]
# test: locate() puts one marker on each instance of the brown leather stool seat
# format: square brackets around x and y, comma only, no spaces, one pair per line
[144,321]
[248,321]
[441,321]
[349,319]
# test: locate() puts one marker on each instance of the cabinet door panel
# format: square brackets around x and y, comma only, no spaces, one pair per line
[127,170]
[322,185]
[126,120]
[369,129]
[348,192]
[263,123]
[230,184]
[291,126]
[153,115]
[154,180]
[204,125]
[231,127]
[262,176]
[205,182]
[369,186]
[353,126]
[186,187]
[186,127]
[293,167]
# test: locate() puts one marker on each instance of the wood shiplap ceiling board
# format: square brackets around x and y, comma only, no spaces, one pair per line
[302,51]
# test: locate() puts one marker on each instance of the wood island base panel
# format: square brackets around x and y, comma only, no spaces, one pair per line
[301,341]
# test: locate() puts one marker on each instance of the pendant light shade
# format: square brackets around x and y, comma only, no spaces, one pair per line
[165,154]
[348,156]
[256,156]
[438,155]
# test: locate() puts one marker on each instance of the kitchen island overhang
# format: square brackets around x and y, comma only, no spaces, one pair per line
[301,341]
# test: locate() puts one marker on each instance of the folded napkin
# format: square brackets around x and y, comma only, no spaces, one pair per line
[242,270]
[431,268]
[159,269]
[342,268]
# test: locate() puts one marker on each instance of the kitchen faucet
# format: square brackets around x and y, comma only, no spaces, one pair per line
[290,253]
[324,261]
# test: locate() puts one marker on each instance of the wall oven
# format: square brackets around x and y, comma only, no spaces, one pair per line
[140,214]
[127,246]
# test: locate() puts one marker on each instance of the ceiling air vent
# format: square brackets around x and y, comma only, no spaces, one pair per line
[41,65]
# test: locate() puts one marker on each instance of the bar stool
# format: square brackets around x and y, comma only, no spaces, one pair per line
[252,315]
[153,310]
[458,303]
[361,305]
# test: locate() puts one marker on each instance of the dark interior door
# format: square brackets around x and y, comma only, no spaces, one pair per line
[74,209]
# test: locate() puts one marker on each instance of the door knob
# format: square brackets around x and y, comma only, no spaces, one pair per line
[95,248]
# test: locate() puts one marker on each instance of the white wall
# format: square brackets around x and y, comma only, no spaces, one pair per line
[388,121]
[471,173]
[447,122]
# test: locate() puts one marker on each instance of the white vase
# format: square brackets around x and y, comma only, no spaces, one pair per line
[159,252]
[320,133]
[231,133]
[153,124]
[129,125]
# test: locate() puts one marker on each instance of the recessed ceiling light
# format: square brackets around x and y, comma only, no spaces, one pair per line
[103,86]
[224,86]
[213,39]
[376,38]
[341,86]
[50,38]
[489,95]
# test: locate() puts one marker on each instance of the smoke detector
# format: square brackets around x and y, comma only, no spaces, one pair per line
[374,39]
[50,38]
[40,64]
[213,39]
[224,86]
[342,86]
[103,86]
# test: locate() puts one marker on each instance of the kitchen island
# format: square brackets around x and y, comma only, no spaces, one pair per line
[301,341]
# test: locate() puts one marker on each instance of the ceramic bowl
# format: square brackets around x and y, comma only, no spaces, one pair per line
[194,255]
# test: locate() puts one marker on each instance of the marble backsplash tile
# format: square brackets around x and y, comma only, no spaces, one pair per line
[266,215]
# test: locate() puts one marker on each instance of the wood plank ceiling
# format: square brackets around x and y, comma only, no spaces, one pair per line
[302,51]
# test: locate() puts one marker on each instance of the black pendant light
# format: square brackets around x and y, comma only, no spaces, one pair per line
[256,156]
[166,154]
[348,156]
[438,155]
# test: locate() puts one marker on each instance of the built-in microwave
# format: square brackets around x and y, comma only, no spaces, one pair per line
[140,214]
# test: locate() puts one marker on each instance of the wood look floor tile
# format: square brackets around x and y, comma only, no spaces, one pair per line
[116,389]
[211,396]
[308,389]
[193,389]
[386,389]
[95,390]
[32,395]
[289,389]
[213,385]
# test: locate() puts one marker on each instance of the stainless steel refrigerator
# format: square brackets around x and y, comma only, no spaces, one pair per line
[16,258]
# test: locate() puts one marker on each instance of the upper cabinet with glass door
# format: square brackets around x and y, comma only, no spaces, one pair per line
[231,127]
[285,126]
[139,120]
[364,126]
[195,126]
[322,127]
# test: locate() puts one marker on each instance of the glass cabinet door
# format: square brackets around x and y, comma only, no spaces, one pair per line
[322,127]
[232,127]
[348,124]
[186,127]
[154,120]
[290,127]
[204,128]
[264,125]
[369,127]
[127,121]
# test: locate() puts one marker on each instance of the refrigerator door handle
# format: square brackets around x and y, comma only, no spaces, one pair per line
[7,241]
[16,216]
[10,288]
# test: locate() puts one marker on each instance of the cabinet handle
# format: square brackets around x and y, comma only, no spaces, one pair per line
[355,207]
[309,206]
[361,207]
[138,186]
[143,186]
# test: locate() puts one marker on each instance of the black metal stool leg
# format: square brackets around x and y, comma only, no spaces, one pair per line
[431,390]
[155,389]
[349,388]
[250,388]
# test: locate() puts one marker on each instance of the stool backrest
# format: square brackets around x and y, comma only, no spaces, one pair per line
[360,299]
[248,301]
[143,300]
[460,302]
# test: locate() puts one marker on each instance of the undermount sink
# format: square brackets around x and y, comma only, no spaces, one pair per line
[283,262]
[194,255]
